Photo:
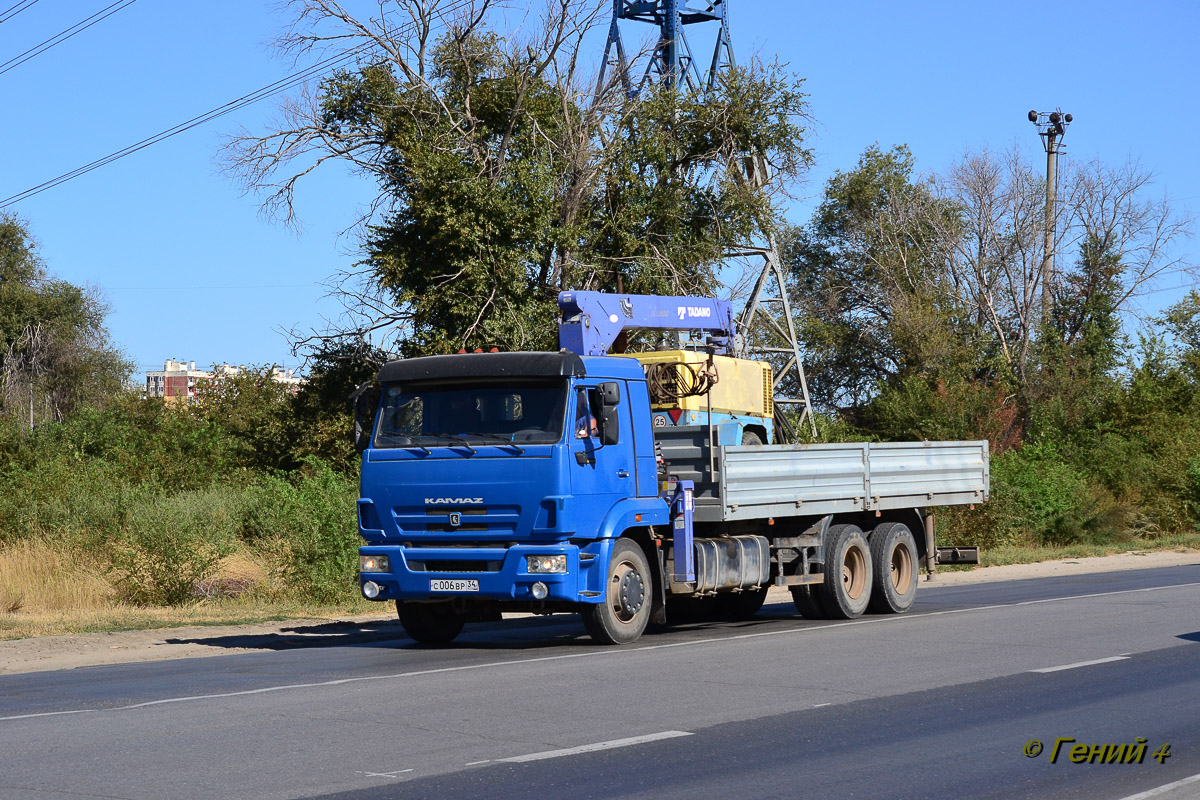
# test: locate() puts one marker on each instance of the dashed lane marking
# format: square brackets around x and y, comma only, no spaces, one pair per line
[592,748]
[1079,664]
[1159,791]
[608,652]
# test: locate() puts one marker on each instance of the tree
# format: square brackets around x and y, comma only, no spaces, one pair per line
[868,286]
[506,175]
[54,351]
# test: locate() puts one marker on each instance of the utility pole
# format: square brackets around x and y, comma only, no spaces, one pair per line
[1052,126]
[672,64]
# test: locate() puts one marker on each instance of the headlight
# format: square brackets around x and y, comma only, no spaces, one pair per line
[373,564]
[545,564]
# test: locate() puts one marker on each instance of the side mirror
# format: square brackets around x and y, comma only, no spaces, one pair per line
[610,394]
[610,426]
[364,416]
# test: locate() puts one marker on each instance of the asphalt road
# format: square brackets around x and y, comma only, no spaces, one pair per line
[938,703]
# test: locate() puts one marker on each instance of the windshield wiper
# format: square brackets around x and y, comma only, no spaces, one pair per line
[454,438]
[495,437]
[405,441]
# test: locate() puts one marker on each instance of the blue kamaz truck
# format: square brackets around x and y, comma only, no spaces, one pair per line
[620,486]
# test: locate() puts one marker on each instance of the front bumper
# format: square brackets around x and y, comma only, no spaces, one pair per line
[502,572]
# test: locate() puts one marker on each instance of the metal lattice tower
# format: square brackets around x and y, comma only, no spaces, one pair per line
[766,325]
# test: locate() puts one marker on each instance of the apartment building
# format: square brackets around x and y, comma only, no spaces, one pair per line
[180,381]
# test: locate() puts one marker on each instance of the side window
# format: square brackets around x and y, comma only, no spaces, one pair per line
[586,426]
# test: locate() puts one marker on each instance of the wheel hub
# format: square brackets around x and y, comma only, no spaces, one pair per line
[631,594]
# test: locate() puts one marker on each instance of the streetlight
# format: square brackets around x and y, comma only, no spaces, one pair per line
[1052,126]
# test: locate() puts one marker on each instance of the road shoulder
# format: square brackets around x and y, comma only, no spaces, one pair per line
[95,649]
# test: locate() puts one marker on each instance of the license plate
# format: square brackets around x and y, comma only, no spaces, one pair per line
[453,586]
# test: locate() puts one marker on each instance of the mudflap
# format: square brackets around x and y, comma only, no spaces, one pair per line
[658,612]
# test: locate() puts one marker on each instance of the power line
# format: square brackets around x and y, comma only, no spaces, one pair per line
[281,85]
[9,13]
[59,38]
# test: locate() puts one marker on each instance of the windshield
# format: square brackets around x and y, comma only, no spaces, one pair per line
[517,412]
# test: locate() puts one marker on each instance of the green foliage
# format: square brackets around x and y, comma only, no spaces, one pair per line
[251,409]
[946,411]
[54,350]
[506,184]
[320,419]
[171,543]
[1037,498]
[312,517]
[873,305]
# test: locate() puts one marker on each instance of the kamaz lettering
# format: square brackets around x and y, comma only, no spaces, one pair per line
[453,501]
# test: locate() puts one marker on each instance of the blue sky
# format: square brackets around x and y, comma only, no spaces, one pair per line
[192,271]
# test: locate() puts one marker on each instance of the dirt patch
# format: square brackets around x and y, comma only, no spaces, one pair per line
[1067,566]
[92,649]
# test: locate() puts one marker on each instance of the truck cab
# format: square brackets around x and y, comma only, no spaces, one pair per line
[500,481]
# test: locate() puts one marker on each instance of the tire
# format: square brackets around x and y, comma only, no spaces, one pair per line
[751,439]
[894,556]
[804,597]
[622,616]
[740,605]
[429,623]
[848,574]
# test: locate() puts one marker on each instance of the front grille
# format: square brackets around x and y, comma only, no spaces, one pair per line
[466,512]
[457,543]
[455,566]
[475,522]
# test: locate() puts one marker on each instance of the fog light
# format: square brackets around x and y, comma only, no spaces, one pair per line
[371,590]
[546,564]
[373,564]
[540,591]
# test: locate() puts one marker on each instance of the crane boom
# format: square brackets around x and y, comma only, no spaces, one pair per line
[591,321]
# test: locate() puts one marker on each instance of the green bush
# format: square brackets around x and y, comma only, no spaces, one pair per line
[311,516]
[1036,498]
[172,542]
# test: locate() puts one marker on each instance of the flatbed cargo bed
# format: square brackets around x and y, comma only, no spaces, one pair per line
[757,482]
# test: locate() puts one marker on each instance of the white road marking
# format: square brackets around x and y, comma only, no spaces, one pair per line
[391,774]
[822,705]
[1078,664]
[476,763]
[1161,790]
[50,714]
[592,748]
[610,652]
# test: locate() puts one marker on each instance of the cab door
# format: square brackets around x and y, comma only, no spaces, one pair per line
[601,474]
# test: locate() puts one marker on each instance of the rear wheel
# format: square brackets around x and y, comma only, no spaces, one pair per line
[804,597]
[429,623]
[848,575]
[894,553]
[751,439]
[622,616]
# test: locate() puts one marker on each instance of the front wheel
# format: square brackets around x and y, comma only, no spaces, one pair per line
[848,576]
[429,623]
[622,616]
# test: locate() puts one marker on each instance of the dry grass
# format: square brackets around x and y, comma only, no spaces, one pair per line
[48,588]
[119,617]
[1032,555]
[37,576]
